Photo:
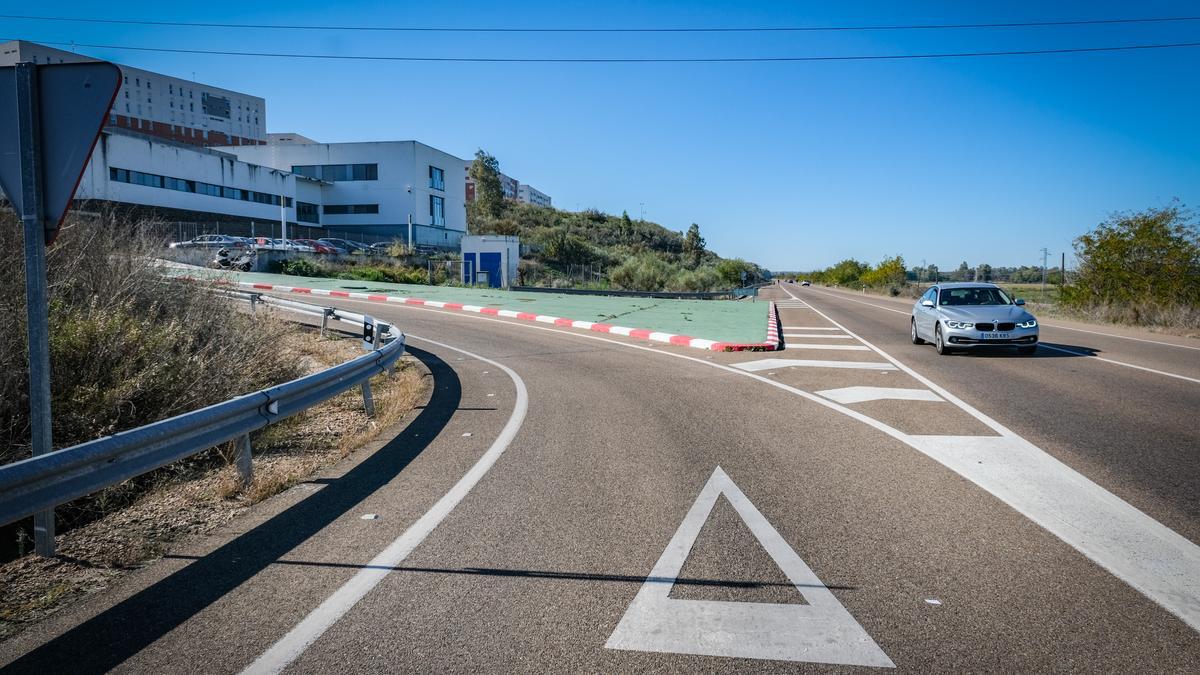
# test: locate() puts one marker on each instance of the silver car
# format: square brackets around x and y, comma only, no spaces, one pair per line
[969,315]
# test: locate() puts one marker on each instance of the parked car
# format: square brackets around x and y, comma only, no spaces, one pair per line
[344,245]
[214,241]
[318,246]
[382,246]
[294,245]
[971,315]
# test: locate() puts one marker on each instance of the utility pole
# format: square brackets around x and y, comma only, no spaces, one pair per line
[642,211]
[410,241]
[1062,272]
[1044,254]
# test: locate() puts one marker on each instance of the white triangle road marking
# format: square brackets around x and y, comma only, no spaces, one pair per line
[821,631]
[862,394]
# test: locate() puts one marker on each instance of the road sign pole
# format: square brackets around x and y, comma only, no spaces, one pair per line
[37,326]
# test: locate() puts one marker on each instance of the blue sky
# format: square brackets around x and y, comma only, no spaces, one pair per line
[792,165]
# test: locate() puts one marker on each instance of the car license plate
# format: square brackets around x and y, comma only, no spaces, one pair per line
[994,336]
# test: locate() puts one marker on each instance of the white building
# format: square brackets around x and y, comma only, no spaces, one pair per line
[530,195]
[376,187]
[176,181]
[162,106]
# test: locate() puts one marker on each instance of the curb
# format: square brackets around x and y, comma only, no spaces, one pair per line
[771,344]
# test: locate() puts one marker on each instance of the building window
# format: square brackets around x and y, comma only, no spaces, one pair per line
[338,172]
[182,185]
[437,210]
[307,213]
[437,178]
[347,209]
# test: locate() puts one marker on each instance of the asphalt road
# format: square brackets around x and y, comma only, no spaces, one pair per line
[574,502]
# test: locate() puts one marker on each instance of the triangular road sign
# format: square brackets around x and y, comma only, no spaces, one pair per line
[73,100]
[821,631]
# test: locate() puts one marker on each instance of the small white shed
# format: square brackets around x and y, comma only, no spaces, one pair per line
[490,259]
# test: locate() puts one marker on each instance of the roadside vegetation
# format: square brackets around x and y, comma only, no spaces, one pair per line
[1138,268]
[129,347]
[591,248]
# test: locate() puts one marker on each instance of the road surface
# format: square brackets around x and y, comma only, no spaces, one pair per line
[568,501]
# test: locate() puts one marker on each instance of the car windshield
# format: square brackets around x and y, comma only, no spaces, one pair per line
[981,295]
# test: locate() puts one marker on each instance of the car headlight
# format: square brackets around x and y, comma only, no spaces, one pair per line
[959,324]
[1032,323]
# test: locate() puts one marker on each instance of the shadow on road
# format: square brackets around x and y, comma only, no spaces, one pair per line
[547,574]
[1070,351]
[109,638]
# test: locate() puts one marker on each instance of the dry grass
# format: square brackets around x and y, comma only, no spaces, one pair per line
[200,497]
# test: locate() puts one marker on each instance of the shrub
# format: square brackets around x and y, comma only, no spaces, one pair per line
[646,272]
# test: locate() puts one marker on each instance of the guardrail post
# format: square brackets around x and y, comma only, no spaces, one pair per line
[253,302]
[245,468]
[368,402]
[325,321]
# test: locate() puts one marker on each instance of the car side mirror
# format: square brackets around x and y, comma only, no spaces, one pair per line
[927,303]
[1020,301]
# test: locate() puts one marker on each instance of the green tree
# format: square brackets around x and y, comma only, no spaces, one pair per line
[489,195]
[1148,259]
[889,272]
[693,244]
[734,271]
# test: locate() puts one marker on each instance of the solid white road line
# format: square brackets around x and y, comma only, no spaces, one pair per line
[1043,345]
[1147,555]
[809,328]
[1123,337]
[1158,562]
[768,364]
[863,394]
[292,645]
[1040,344]
[823,336]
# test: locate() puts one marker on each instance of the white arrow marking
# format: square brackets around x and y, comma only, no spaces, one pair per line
[820,632]
[861,394]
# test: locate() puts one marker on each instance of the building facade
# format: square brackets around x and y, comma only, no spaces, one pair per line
[178,181]
[165,107]
[529,195]
[375,187]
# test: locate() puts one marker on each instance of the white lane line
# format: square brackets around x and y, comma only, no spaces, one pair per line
[1140,547]
[1043,345]
[768,364]
[809,345]
[1040,344]
[1150,557]
[863,394]
[823,336]
[820,631]
[292,645]
[1123,337]
[810,328]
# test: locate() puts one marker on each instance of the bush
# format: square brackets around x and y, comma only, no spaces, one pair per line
[646,272]
[127,347]
[1140,268]
[300,267]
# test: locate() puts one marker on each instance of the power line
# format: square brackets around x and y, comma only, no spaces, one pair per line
[714,59]
[727,29]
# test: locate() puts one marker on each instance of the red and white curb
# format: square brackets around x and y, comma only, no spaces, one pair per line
[771,344]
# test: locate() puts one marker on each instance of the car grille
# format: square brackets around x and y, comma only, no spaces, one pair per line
[985,327]
[1005,326]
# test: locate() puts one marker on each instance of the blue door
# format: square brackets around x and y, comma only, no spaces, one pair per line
[490,263]
[468,270]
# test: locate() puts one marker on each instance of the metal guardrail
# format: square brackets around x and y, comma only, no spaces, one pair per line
[45,481]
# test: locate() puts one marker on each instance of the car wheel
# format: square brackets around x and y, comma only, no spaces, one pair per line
[916,340]
[1026,351]
[938,343]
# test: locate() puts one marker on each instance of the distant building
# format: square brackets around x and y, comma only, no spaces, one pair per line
[162,106]
[530,195]
[375,187]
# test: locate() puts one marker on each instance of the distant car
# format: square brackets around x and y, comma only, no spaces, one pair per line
[382,246]
[805,283]
[971,315]
[213,241]
[316,246]
[341,246]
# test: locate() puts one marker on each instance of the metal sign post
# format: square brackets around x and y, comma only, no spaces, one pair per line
[36,308]
[50,118]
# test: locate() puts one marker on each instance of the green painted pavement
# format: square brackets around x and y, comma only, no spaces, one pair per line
[740,321]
